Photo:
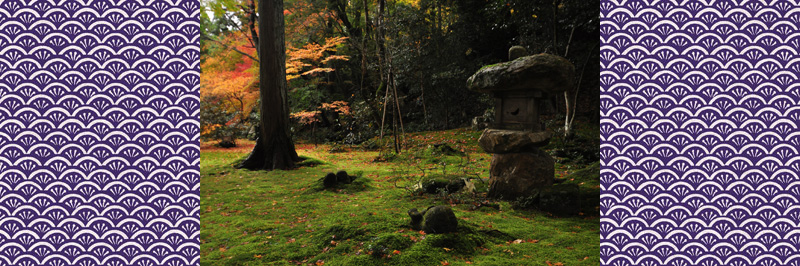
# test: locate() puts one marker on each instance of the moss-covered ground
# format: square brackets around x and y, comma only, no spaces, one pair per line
[288,218]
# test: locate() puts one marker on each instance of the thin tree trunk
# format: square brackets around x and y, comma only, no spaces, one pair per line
[396,98]
[381,60]
[381,38]
[571,97]
[364,41]
[274,147]
[385,104]
[394,129]
[422,98]
[569,41]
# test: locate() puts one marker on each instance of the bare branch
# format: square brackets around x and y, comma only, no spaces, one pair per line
[204,36]
[569,41]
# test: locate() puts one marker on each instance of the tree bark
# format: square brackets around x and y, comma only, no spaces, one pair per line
[252,24]
[274,147]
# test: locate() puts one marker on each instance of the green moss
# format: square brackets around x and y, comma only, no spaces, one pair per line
[339,233]
[309,162]
[461,243]
[492,65]
[278,218]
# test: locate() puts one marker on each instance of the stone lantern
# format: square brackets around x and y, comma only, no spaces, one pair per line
[519,167]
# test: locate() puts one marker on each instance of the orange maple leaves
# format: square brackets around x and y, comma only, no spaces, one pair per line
[313,55]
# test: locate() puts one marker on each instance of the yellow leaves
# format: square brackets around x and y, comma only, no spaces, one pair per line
[335,57]
[414,3]
[208,128]
[318,70]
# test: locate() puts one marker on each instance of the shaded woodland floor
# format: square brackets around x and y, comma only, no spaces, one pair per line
[288,218]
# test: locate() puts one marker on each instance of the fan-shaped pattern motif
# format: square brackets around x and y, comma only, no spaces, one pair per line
[99,147]
[700,111]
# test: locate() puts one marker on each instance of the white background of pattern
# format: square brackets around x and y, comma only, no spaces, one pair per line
[98,133]
[699,133]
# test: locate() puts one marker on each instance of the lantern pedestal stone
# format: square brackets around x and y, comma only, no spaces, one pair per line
[519,168]
[515,175]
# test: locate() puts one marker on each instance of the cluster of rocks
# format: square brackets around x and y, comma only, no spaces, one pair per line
[519,168]
[434,220]
[332,180]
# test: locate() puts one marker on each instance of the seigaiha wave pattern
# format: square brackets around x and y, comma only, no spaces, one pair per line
[99,148]
[700,111]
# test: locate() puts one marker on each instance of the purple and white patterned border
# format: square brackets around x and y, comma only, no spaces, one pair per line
[99,148]
[700,111]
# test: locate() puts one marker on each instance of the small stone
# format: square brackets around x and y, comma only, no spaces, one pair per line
[515,175]
[455,185]
[508,141]
[516,52]
[329,181]
[416,219]
[227,143]
[342,177]
[440,219]
[433,186]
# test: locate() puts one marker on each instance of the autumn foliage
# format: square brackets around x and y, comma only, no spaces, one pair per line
[229,84]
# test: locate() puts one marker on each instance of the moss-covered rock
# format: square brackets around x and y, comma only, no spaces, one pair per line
[342,177]
[329,180]
[439,219]
[416,219]
[544,72]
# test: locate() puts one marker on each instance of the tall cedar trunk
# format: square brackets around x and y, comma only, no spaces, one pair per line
[274,147]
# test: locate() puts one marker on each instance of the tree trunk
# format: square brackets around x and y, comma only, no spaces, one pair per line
[274,147]
[571,98]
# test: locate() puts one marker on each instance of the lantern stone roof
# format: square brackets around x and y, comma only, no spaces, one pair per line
[543,72]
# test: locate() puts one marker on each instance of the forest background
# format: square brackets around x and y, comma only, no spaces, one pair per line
[347,60]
